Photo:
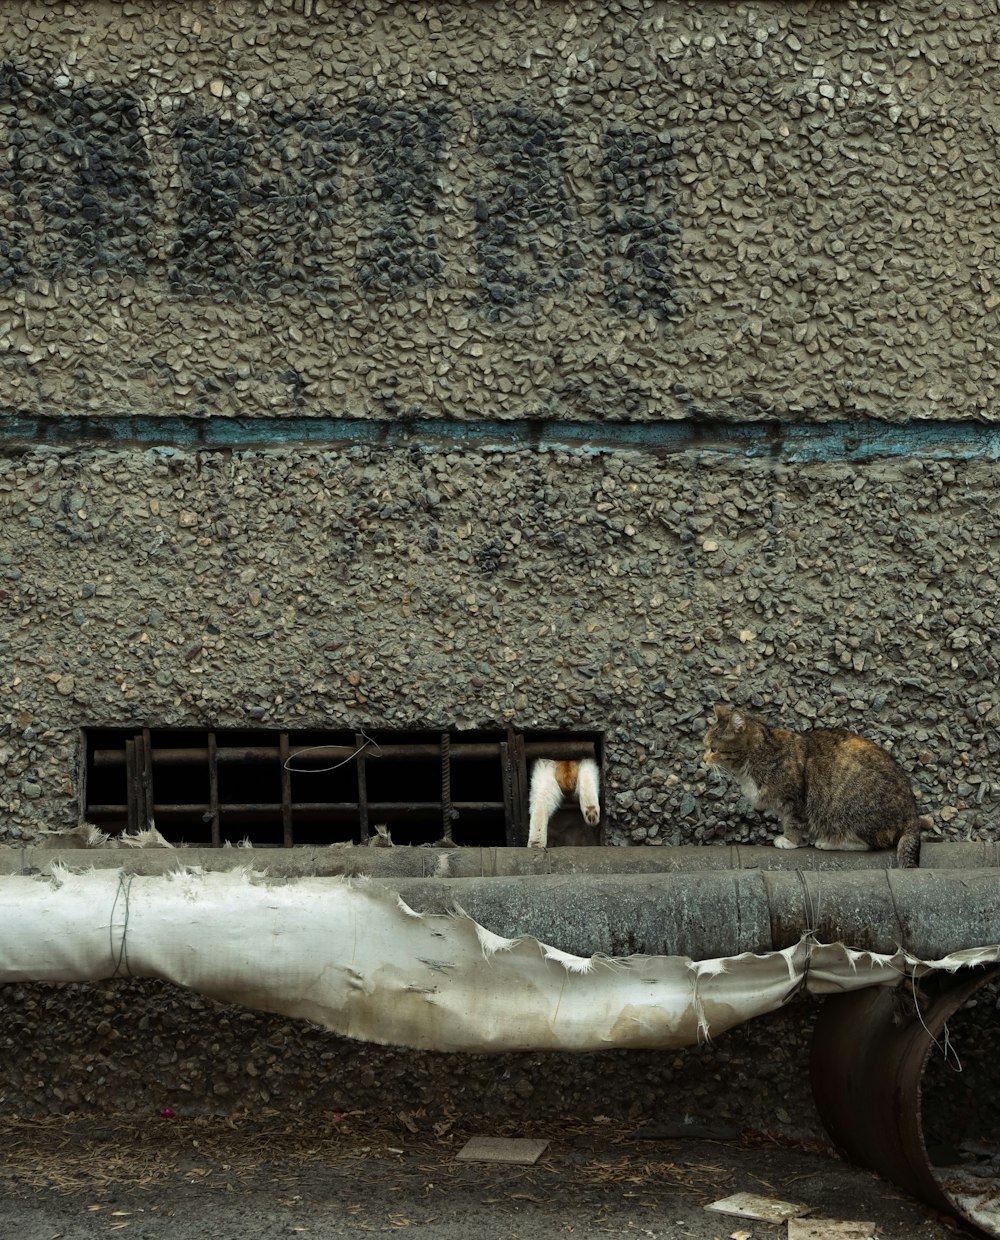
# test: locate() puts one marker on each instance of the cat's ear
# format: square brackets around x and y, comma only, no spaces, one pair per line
[722,711]
[737,721]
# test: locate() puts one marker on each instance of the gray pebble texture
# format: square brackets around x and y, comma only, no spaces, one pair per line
[622,593]
[631,211]
[570,210]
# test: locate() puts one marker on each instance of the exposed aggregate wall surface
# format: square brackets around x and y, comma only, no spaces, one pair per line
[624,210]
[374,588]
[619,592]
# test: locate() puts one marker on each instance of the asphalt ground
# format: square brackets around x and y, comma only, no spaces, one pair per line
[273,1174]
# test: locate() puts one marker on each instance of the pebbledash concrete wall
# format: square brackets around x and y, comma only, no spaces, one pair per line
[568,365]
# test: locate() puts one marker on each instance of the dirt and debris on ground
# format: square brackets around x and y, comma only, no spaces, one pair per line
[268,1174]
[974,1185]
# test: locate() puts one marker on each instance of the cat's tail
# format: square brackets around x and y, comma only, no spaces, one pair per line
[908,844]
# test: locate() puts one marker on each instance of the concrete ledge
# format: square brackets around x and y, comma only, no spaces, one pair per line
[490,862]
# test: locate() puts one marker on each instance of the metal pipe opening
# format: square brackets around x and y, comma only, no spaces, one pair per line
[905,1082]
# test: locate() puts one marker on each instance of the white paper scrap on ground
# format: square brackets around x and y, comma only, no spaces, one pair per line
[347,954]
[829,1229]
[764,1209]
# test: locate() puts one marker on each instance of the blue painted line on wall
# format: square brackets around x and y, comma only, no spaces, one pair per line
[787,441]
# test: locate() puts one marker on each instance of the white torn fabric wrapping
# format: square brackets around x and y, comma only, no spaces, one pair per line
[347,954]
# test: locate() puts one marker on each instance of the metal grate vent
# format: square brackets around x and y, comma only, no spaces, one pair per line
[279,789]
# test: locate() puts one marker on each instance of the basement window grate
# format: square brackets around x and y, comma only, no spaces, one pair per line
[279,789]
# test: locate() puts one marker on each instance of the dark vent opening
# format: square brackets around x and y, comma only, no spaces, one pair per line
[279,789]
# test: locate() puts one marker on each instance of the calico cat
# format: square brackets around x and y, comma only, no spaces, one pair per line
[828,786]
[550,782]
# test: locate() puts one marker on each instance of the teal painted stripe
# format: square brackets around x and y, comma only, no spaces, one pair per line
[788,441]
[859,441]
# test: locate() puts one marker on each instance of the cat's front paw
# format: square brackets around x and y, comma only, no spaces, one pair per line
[782,841]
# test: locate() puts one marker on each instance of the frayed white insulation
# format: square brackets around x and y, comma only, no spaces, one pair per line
[344,954]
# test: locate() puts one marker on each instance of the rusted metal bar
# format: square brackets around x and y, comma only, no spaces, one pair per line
[447,810]
[359,753]
[519,759]
[509,797]
[563,750]
[569,750]
[131,788]
[298,807]
[474,806]
[213,791]
[286,791]
[82,783]
[511,806]
[145,755]
[870,1050]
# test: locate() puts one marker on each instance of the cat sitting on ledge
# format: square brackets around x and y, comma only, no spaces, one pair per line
[829,787]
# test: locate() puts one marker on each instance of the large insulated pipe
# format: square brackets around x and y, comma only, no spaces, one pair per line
[704,914]
[870,1051]
[869,1055]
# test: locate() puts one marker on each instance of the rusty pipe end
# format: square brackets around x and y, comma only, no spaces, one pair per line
[870,1050]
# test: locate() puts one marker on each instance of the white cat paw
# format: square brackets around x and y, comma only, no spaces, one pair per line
[591,814]
[782,841]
